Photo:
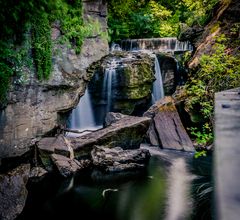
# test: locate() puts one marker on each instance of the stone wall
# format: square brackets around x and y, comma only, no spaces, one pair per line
[33,107]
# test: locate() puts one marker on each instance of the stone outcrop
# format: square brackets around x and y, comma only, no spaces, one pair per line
[13,192]
[34,107]
[131,82]
[167,130]
[116,159]
[225,21]
[127,133]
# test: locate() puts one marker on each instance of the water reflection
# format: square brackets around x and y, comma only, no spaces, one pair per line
[162,191]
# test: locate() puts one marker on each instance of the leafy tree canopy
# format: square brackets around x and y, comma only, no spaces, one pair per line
[155,18]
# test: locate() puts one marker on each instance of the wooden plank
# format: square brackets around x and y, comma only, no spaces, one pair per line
[227,154]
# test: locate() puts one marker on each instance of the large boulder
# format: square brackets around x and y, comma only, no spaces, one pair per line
[13,192]
[128,133]
[167,130]
[132,75]
[116,159]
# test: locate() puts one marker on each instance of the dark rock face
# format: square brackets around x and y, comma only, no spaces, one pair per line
[169,74]
[226,18]
[127,133]
[13,192]
[116,159]
[167,130]
[34,107]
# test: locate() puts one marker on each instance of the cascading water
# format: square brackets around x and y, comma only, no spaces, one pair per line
[158,91]
[168,44]
[109,78]
[82,116]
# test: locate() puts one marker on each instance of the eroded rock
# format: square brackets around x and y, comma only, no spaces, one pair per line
[13,192]
[116,159]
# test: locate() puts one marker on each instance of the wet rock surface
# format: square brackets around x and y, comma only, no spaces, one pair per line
[116,159]
[13,192]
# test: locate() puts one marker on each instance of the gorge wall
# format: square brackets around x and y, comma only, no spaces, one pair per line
[33,106]
[225,21]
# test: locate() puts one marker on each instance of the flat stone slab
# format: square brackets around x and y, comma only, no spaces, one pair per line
[128,133]
[227,154]
[167,130]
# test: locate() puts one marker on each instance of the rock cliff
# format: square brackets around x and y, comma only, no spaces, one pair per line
[34,107]
[225,21]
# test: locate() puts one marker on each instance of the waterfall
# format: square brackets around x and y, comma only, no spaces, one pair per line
[158,91]
[108,81]
[82,116]
[167,44]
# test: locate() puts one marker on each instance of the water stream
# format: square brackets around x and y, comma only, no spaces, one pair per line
[158,91]
[82,117]
[108,81]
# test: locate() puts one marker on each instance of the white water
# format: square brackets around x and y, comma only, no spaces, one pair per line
[168,44]
[109,78]
[82,116]
[158,91]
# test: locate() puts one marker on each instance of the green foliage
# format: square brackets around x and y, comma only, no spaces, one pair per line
[42,46]
[217,71]
[17,17]
[203,137]
[201,153]
[155,18]
[198,12]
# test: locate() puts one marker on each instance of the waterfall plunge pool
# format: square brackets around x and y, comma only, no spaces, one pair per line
[166,189]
